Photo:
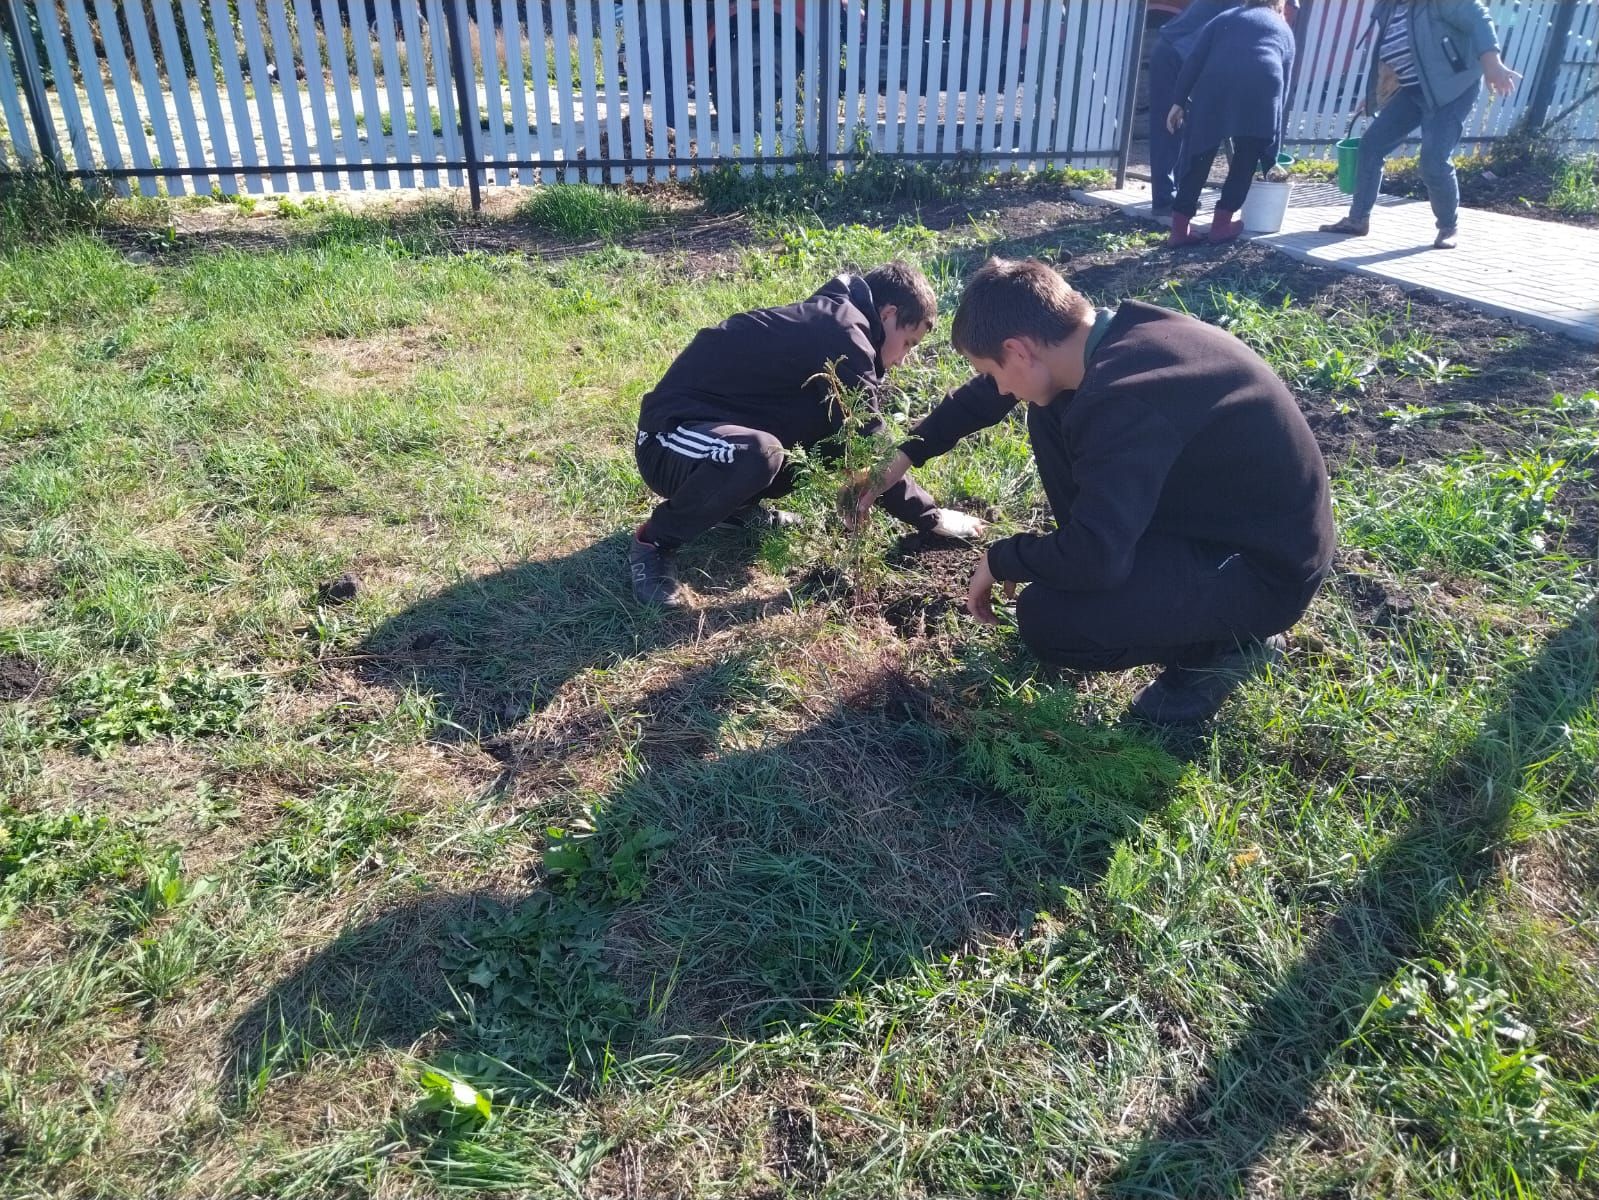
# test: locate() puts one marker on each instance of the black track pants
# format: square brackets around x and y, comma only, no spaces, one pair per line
[706,472]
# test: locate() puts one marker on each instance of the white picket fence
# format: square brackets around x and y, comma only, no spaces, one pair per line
[181,95]
[174,95]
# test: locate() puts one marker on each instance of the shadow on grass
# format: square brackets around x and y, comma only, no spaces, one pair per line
[491,649]
[708,894]
[1263,1083]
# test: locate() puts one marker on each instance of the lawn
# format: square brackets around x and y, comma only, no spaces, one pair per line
[360,836]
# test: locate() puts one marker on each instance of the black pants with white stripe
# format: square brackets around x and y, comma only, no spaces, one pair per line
[707,472]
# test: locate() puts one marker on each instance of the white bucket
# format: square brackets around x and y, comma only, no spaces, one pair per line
[1266,206]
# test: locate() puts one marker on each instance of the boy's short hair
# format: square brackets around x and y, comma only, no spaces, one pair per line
[906,288]
[1008,299]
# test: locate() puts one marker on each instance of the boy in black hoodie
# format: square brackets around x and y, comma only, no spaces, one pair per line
[713,434]
[1191,500]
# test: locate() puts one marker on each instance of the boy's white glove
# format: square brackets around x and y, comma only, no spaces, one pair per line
[959,525]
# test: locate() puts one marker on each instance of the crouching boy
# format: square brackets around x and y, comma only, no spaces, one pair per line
[713,435]
[1191,500]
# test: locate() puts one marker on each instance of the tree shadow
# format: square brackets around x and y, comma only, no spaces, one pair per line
[491,649]
[1263,1083]
[709,893]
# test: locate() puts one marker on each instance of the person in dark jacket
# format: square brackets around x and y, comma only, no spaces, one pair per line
[1429,59]
[713,435]
[1173,43]
[1233,85]
[1193,518]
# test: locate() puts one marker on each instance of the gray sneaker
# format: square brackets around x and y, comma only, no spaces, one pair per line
[1193,694]
[759,517]
[654,575]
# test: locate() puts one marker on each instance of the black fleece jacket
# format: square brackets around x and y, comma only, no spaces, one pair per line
[758,369]
[1177,428]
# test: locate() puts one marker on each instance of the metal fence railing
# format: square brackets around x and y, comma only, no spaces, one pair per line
[297,95]
[302,95]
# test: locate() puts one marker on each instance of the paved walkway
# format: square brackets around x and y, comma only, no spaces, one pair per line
[1538,273]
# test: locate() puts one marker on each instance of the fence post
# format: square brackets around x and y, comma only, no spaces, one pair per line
[826,69]
[32,80]
[463,107]
[1300,24]
[1554,56]
[1129,103]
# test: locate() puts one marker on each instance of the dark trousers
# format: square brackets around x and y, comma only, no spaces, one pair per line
[707,472]
[1182,601]
[1248,154]
[1164,67]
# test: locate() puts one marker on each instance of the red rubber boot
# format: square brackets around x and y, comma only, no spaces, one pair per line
[1181,234]
[1224,227]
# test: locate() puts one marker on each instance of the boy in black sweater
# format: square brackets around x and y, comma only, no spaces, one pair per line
[1194,523]
[713,434]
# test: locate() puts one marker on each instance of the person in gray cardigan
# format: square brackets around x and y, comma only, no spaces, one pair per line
[1429,59]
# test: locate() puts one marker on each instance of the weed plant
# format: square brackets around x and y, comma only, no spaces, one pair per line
[1330,353]
[1576,189]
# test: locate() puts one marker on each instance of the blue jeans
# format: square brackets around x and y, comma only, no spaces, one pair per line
[1440,134]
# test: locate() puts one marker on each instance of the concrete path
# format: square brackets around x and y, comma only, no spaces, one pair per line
[1538,273]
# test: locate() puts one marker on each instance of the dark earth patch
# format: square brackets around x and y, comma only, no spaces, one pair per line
[20,679]
[1377,603]
[929,581]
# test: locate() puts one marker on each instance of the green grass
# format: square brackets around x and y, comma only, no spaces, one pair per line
[1325,352]
[584,211]
[483,879]
[1576,189]
[39,203]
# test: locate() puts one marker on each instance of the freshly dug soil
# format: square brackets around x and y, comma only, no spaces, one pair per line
[20,679]
[930,579]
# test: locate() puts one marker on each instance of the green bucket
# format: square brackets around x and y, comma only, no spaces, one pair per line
[1348,157]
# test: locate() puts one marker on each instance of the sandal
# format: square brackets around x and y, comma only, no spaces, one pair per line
[1348,227]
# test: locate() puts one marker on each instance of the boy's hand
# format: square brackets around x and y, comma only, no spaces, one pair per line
[1174,119]
[980,596]
[864,489]
[958,526]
